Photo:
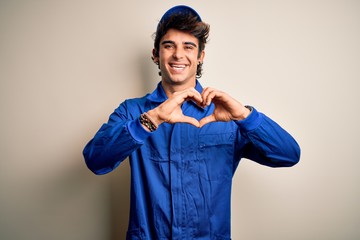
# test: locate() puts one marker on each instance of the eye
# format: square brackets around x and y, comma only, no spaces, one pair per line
[189,47]
[168,46]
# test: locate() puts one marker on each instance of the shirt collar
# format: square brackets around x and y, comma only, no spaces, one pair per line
[159,95]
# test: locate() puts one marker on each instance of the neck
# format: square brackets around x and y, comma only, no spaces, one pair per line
[170,89]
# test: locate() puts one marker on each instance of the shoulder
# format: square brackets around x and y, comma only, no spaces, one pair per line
[132,102]
[131,107]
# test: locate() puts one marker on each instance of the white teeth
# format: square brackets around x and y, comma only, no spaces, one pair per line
[178,66]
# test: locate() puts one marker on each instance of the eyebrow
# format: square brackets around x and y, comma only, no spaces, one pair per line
[172,42]
[190,43]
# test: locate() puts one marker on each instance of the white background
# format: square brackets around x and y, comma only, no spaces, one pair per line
[66,65]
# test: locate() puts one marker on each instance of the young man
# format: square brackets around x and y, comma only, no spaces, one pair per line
[184,142]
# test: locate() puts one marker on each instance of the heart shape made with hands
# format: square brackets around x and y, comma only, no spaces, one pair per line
[226,107]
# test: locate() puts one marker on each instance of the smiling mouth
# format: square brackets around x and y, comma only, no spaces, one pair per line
[177,66]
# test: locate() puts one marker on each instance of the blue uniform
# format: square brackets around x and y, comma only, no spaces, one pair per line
[181,175]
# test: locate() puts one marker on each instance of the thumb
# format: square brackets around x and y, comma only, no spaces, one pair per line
[206,120]
[190,120]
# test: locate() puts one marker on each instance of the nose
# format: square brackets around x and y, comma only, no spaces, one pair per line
[178,53]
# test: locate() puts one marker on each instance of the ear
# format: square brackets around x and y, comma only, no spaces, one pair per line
[202,56]
[154,57]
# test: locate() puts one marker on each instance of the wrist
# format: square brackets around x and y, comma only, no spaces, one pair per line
[154,116]
[147,122]
[246,110]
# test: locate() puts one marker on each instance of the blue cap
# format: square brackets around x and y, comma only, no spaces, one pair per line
[180,9]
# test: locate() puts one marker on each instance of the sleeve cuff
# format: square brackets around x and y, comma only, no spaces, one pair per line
[137,131]
[251,122]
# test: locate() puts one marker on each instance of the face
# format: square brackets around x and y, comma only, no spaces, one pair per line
[178,58]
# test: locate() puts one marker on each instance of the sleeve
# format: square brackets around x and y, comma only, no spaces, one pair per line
[268,143]
[114,142]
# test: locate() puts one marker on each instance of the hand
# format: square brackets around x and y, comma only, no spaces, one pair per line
[226,107]
[170,111]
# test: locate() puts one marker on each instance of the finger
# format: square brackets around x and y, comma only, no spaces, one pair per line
[205,92]
[209,96]
[191,94]
[206,120]
[195,95]
[190,120]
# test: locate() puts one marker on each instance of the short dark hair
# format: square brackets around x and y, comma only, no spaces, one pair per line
[186,23]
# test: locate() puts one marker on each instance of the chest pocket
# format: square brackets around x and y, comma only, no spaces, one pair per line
[215,156]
